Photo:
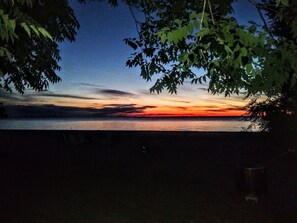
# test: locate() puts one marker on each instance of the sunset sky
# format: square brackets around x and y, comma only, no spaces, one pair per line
[96,82]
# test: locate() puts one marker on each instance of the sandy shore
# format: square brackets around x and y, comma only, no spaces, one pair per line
[128,176]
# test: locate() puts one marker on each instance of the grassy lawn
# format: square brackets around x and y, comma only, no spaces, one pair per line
[182,186]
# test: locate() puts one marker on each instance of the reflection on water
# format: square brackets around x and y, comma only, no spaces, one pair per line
[207,124]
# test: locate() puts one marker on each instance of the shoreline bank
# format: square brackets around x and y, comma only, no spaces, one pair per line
[131,142]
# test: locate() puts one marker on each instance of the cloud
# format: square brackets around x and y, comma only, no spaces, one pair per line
[33,97]
[63,96]
[12,97]
[114,92]
[120,105]
[206,106]
[235,108]
[147,92]
[54,111]
[179,101]
[88,84]
[123,109]
[181,108]
[202,88]
[224,109]
[7,95]
[176,107]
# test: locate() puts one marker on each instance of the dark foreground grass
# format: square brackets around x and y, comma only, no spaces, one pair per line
[183,179]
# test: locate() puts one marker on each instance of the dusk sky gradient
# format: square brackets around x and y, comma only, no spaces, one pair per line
[95,79]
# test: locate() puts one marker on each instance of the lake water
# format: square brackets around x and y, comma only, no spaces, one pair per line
[234,124]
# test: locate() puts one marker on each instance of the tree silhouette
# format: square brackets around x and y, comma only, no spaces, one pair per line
[178,37]
[279,113]
[29,36]
[2,111]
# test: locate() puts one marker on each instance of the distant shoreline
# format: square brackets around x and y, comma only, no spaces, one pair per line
[229,124]
[133,118]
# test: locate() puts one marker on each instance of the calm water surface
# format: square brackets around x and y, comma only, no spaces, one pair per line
[197,124]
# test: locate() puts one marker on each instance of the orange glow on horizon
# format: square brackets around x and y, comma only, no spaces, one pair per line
[151,106]
[157,113]
[191,111]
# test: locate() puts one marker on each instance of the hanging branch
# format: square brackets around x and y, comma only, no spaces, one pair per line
[202,16]
[201,22]
[259,8]
[211,13]
[135,19]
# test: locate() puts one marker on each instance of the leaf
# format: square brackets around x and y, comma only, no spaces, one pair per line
[252,23]
[285,2]
[178,34]
[191,57]
[5,20]
[204,78]
[4,51]
[132,45]
[216,63]
[294,28]
[249,68]
[170,37]
[196,24]
[203,32]
[211,71]
[227,48]
[163,38]
[45,33]
[190,28]
[244,52]
[26,28]
[9,55]
[193,16]
[29,3]
[178,22]
[1,52]
[35,30]
[183,57]
[12,25]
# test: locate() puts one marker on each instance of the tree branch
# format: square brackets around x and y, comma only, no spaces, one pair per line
[210,10]
[202,16]
[259,7]
[135,19]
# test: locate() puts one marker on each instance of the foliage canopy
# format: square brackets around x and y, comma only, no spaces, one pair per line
[279,112]
[178,37]
[30,31]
